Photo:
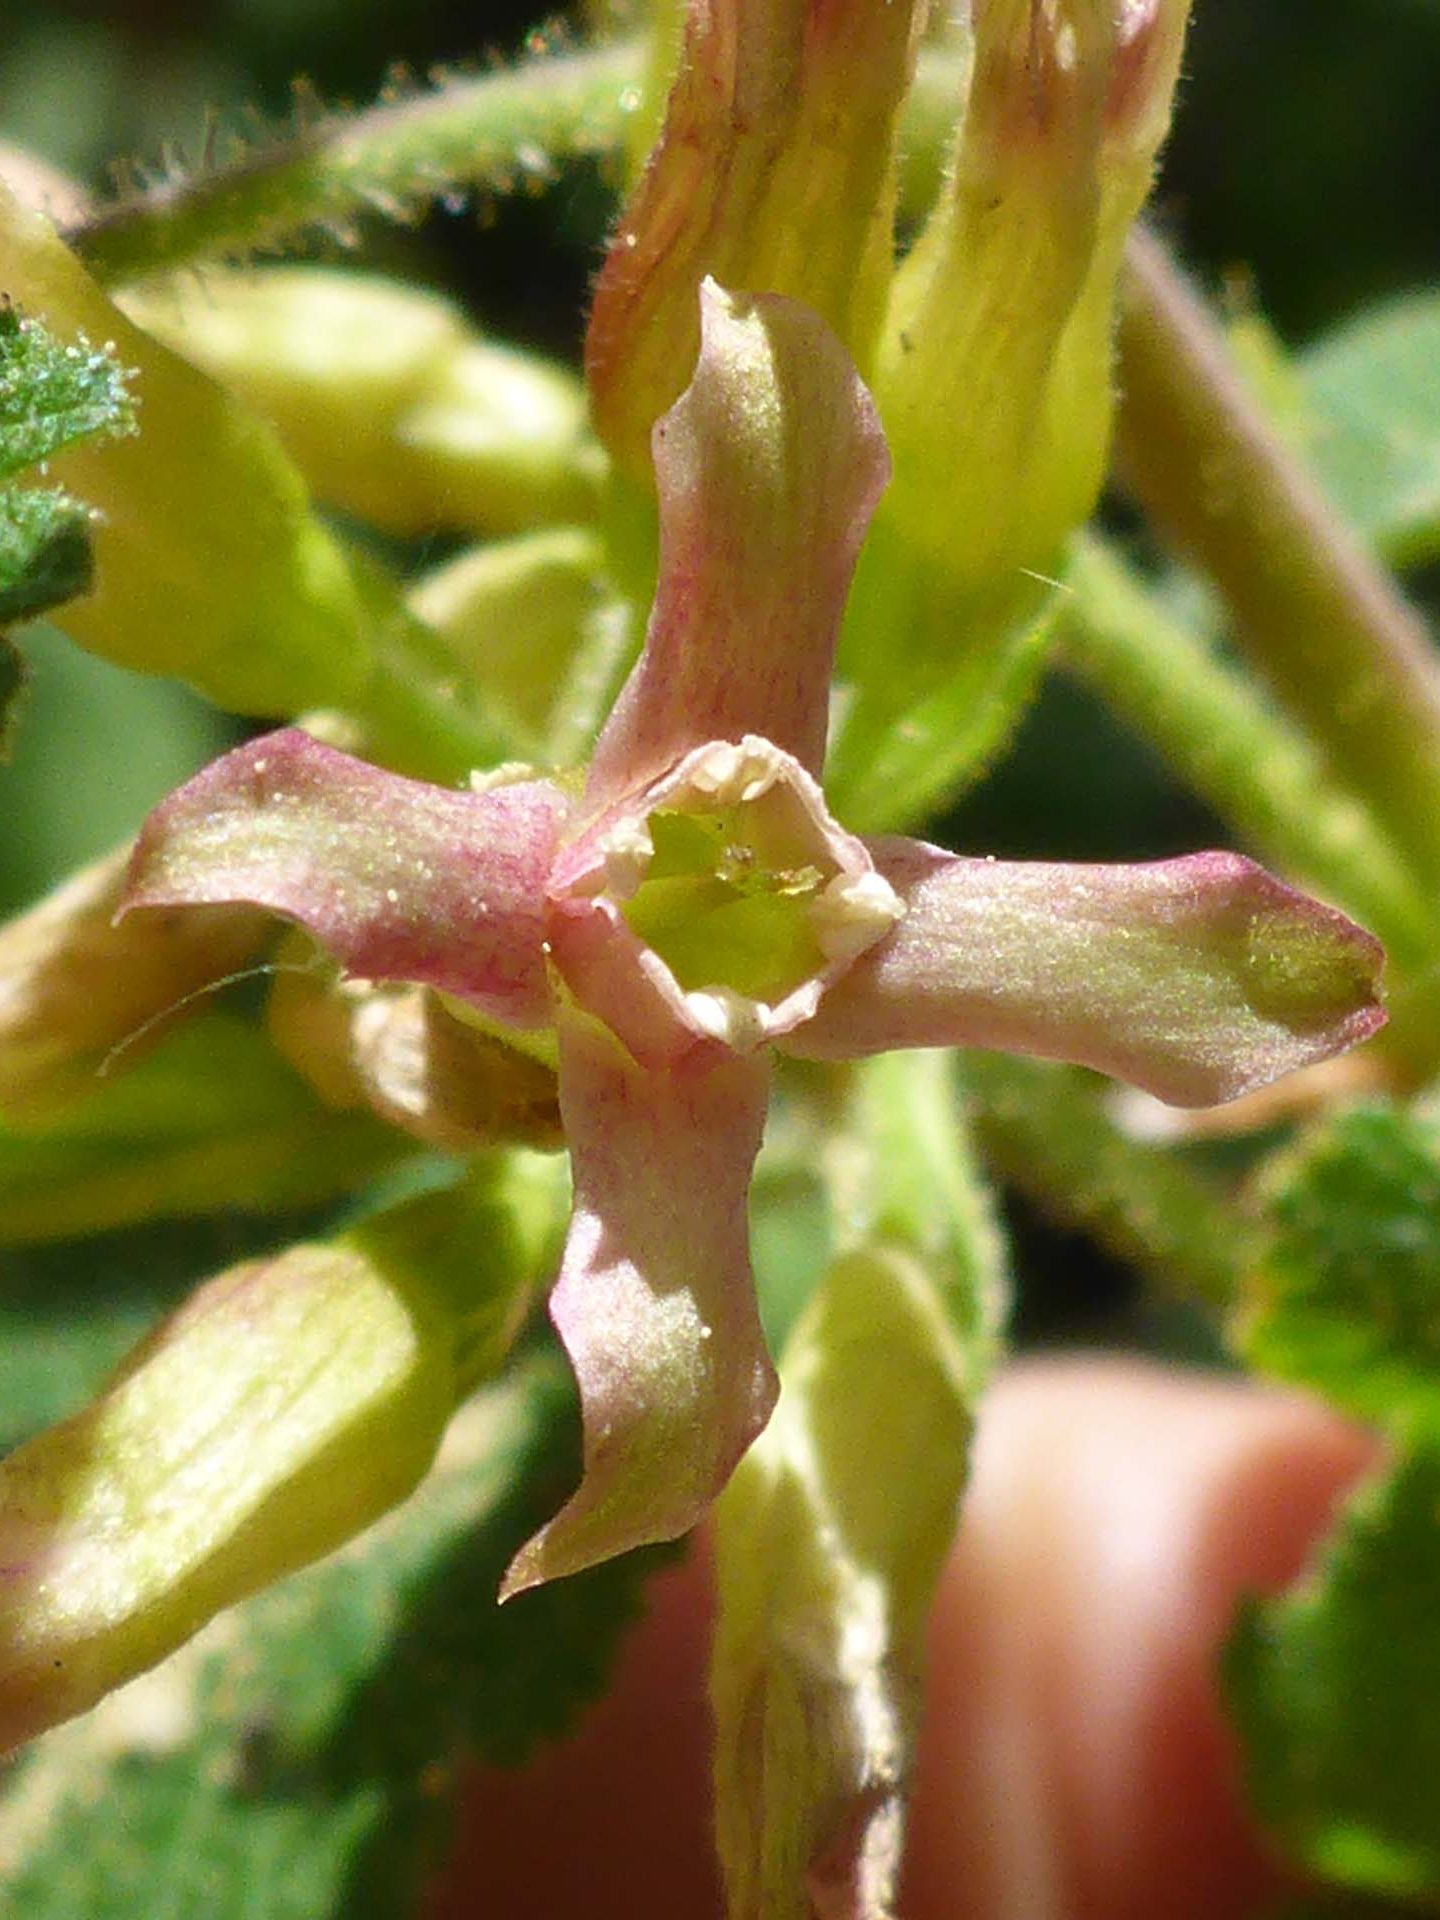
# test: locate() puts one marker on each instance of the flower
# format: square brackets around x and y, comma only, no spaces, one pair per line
[695,906]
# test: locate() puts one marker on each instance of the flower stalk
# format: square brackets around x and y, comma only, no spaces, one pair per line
[1319,618]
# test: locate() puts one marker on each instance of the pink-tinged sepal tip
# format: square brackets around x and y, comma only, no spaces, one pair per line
[1198,979]
[655,1303]
[397,879]
[769,466]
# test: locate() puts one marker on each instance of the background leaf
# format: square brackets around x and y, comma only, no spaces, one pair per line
[1329,1685]
[1376,437]
[1346,1296]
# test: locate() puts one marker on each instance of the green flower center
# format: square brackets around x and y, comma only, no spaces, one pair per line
[726,897]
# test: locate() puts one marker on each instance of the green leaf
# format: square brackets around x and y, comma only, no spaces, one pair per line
[45,555]
[1376,439]
[12,685]
[296,1763]
[52,395]
[1346,1297]
[1332,1686]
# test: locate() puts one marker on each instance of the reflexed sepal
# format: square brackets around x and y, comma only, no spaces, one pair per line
[769,467]
[397,879]
[1197,979]
[655,1303]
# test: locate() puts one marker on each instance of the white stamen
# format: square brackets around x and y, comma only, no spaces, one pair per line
[853,912]
[726,1015]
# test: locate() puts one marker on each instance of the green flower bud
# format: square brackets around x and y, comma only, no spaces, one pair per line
[994,373]
[212,1118]
[517,613]
[404,1053]
[288,1404]
[208,562]
[74,988]
[391,406]
[774,172]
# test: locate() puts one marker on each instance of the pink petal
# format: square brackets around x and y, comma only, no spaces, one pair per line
[397,879]
[1197,979]
[655,1301]
[769,466]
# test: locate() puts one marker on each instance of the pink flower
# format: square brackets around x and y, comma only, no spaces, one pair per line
[696,905]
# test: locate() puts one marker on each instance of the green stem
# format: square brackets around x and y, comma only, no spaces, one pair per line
[486,133]
[1231,746]
[489,133]
[1048,1131]
[1313,610]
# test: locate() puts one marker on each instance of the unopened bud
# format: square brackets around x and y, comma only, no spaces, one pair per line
[994,376]
[209,564]
[287,1405]
[76,989]
[517,613]
[403,1053]
[389,403]
[775,173]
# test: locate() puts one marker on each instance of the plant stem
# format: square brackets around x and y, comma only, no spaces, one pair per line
[1315,613]
[1049,1132]
[1234,749]
[485,133]
[490,133]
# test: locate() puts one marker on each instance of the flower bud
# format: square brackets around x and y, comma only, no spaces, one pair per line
[994,374]
[208,562]
[774,172]
[517,613]
[212,1119]
[74,987]
[383,396]
[404,1053]
[288,1404]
